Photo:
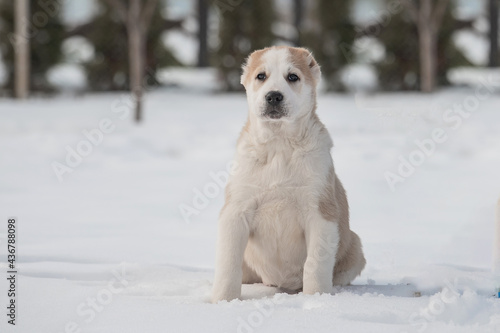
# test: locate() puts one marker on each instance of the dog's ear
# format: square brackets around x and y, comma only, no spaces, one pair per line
[314,67]
[247,67]
[244,70]
[304,59]
[250,65]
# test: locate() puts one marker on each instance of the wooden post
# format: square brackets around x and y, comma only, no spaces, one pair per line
[493,33]
[137,19]
[21,49]
[298,18]
[136,47]
[496,244]
[428,19]
[427,47]
[203,33]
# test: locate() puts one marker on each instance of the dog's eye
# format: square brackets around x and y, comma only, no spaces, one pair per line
[292,77]
[261,76]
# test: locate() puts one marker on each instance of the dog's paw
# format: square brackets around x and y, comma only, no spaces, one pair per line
[225,294]
[216,298]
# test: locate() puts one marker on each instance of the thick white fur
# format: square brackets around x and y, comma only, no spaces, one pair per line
[271,229]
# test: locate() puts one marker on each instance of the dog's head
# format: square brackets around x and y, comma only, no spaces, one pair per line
[281,83]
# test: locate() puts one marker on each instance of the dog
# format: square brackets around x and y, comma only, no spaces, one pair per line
[285,221]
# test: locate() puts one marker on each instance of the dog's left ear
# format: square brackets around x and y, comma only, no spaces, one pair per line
[247,66]
[314,67]
[244,71]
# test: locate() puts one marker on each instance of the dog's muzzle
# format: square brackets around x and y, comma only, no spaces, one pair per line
[274,109]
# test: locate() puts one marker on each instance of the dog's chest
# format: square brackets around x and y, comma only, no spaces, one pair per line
[282,185]
[282,188]
[279,171]
[280,182]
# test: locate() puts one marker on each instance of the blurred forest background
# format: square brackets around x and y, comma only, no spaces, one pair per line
[79,46]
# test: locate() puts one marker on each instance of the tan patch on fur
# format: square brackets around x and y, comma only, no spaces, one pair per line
[343,218]
[352,261]
[254,61]
[333,206]
[300,59]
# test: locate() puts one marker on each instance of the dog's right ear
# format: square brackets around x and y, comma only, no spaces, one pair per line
[314,67]
[244,69]
[250,65]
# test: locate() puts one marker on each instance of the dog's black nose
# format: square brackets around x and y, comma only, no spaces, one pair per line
[274,97]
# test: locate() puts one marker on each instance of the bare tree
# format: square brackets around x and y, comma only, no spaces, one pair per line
[496,246]
[203,33]
[21,49]
[428,18]
[136,17]
[298,18]
[493,33]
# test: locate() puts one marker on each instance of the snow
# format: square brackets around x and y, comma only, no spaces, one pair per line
[183,46]
[365,12]
[189,78]
[67,77]
[178,9]
[473,76]
[77,12]
[111,232]
[359,77]
[78,50]
[474,47]
[466,9]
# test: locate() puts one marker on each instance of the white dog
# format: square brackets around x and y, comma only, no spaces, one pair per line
[285,222]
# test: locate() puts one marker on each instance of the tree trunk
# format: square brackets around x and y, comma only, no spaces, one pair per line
[493,33]
[203,33]
[136,52]
[428,57]
[22,50]
[298,17]
[428,49]
[496,246]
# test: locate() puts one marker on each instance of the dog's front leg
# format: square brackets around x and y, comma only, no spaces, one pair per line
[322,238]
[231,242]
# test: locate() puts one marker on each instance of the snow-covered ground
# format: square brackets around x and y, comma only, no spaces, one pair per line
[107,249]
